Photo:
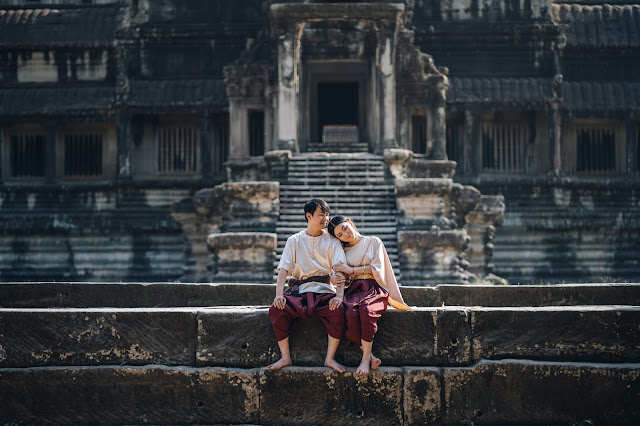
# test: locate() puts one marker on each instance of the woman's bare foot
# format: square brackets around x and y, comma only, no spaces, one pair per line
[332,363]
[363,368]
[282,362]
[375,362]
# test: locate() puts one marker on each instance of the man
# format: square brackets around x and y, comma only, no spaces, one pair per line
[309,256]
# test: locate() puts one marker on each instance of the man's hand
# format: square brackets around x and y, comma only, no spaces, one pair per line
[279,302]
[337,279]
[335,303]
[341,267]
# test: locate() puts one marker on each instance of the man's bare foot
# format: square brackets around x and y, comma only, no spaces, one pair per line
[332,363]
[363,368]
[375,362]
[282,362]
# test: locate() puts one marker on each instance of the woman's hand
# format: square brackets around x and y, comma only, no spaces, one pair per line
[335,303]
[341,267]
[279,302]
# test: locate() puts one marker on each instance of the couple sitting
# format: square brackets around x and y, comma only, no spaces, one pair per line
[343,276]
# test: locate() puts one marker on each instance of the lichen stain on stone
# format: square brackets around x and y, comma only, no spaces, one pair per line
[43,356]
[331,381]
[3,354]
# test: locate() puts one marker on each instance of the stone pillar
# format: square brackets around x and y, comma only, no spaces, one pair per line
[50,151]
[387,83]
[433,257]
[470,146]
[438,122]
[2,143]
[124,145]
[287,112]
[239,146]
[242,257]
[481,225]
[554,126]
[206,140]
[631,124]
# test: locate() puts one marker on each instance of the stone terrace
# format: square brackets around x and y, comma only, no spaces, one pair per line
[194,353]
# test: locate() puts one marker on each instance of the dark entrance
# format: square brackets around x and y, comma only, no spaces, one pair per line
[337,104]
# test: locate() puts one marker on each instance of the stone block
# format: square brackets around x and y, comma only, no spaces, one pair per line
[453,337]
[580,333]
[243,256]
[529,392]
[65,337]
[132,295]
[321,396]
[243,337]
[422,401]
[128,395]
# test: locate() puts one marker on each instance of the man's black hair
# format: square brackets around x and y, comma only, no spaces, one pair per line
[311,206]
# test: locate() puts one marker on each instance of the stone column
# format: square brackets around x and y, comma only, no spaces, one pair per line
[239,146]
[470,146]
[555,141]
[50,151]
[2,143]
[481,227]
[287,113]
[387,83]
[438,122]
[631,123]
[124,145]
[205,145]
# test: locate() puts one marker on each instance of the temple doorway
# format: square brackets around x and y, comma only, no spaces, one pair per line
[337,105]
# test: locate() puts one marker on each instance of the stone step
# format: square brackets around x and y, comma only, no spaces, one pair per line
[159,295]
[242,337]
[491,392]
[363,188]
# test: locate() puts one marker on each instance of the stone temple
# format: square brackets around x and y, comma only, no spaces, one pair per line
[177,140]
[155,155]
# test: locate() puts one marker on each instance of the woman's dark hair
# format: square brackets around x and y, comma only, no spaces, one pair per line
[311,206]
[335,221]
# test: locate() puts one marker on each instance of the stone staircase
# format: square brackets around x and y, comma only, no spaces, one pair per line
[161,353]
[354,185]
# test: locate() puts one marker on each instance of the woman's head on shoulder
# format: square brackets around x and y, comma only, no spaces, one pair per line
[344,229]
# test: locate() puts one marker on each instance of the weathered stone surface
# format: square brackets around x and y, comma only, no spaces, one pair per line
[581,333]
[528,392]
[418,187]
[453,337]
[242,256]
[531,295]
[132,295]
[96,337]
[431,240]
[321,396]
[129,295]
[128,395]
[243,337]
[423,168]
[422,401]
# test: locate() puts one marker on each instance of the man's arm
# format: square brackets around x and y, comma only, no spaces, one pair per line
[279,301]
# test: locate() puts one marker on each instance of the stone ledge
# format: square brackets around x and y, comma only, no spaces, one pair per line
[131,295]
[242,336]
[490,392]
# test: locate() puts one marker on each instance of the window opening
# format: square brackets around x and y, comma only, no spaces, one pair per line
[83,155]
[27,155]
[503,146]
[177,149]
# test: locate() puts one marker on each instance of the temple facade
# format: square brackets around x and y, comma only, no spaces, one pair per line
[115,116]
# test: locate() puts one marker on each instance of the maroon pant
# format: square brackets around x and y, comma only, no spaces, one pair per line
[364,301]
[305,306]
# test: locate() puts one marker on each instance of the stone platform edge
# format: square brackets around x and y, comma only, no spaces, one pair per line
[124,295]
[489,392]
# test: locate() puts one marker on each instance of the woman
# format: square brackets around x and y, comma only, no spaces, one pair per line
[372,286]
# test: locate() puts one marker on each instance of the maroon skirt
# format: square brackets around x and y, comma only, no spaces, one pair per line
[365,301]
[304,306]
